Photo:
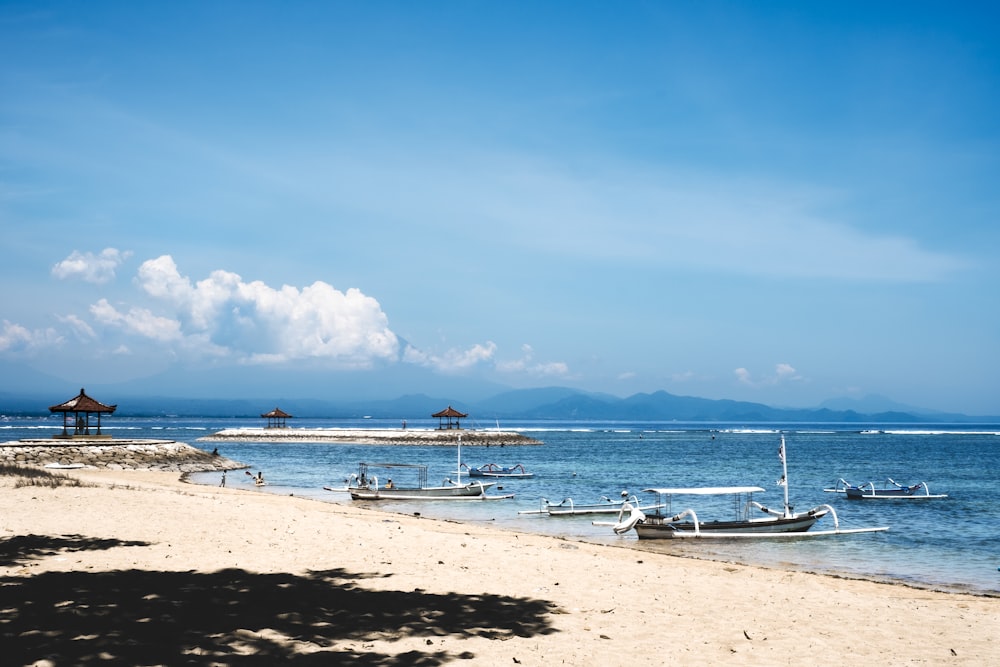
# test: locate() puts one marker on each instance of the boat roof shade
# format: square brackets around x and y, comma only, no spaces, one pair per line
[706,490]
[394,465]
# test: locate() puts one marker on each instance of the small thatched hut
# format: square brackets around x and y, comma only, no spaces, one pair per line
[449,418]
[81,407]
[276,418]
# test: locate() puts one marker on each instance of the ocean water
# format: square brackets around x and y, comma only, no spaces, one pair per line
[950,544]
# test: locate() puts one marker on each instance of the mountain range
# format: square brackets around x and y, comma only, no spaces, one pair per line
[551,403]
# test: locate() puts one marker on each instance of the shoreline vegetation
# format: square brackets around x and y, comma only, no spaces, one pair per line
[373,436]
[185,573]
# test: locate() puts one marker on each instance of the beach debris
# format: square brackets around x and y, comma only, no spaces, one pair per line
[747,635]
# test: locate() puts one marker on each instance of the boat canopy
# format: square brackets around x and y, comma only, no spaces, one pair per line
[393,465]
[706,490]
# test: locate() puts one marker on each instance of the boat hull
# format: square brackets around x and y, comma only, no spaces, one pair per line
[661,528]
[888,494]
[890,490]
[494,470]
[522,475]
[464,491]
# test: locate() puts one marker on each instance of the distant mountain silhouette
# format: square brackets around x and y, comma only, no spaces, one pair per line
[550,403]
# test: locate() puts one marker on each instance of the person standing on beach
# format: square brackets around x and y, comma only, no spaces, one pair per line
[223,482]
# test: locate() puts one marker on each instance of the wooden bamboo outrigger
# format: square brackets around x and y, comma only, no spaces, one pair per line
[783,523]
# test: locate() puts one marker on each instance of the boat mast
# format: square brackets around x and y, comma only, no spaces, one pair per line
[784,475]
[459,469]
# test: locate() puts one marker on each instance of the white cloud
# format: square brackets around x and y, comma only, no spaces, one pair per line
[223,315]
[527,364]
[139,321]
[16,338]
[98,269]
[453,360]
[783,373]
[81,329]
[265,325]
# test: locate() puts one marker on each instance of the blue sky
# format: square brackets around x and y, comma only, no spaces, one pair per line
[776,202]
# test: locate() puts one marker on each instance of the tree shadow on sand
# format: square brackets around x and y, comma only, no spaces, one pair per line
[20,548]
[235,617]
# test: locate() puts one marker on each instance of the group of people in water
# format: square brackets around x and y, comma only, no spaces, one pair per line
[258,479]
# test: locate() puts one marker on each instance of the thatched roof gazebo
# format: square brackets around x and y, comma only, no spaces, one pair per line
[452,416]
[81,407]
[276,418]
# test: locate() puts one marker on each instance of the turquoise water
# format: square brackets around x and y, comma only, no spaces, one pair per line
[950,544]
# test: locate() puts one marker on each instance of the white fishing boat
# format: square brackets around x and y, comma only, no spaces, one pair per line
[890,490]
[567,507]
[374,481]
[662,524]
[494,470]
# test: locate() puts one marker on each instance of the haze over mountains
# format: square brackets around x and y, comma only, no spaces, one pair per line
[25,392]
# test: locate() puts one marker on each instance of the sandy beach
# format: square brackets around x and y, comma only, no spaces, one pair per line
[139,567]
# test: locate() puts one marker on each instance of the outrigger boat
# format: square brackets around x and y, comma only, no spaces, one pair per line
[890,490]
[494,470]
[366,485]
[566,507]
[777,523]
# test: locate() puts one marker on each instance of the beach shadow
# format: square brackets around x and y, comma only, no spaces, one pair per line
[235,617]
[20,548]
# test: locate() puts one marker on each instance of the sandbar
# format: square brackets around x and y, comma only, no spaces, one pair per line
[372,436]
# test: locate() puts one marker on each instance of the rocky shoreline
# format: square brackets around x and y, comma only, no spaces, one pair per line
[161,455]
[445,437]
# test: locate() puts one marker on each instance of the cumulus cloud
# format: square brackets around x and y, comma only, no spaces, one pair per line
[139,321]
[527,364]
[80,328]
[250,322]
[453,360]
[783,373]
[16,338]
[267,325]
[87,266]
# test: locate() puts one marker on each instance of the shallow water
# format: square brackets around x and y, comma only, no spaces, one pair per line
[950,544]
